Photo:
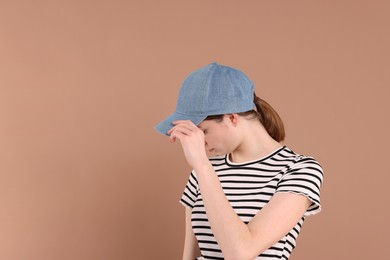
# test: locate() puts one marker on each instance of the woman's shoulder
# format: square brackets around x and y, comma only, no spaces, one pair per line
[304,163]
[288,152]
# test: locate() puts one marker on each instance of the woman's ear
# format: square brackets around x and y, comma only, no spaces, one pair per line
[233,118]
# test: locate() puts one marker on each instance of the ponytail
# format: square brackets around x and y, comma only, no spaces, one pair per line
[269,119]
[266,115]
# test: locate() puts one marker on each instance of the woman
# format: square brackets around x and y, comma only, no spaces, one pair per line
[248,195]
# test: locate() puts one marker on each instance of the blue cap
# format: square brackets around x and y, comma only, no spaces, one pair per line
[211,90]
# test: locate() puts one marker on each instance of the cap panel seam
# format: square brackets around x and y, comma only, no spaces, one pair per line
[207,87]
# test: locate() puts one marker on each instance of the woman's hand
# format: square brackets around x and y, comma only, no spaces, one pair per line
[192,141]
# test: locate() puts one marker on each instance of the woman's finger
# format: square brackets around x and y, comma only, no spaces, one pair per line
[187,123]
[176,134]
[185,126]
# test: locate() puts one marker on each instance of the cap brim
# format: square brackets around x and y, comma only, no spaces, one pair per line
[164,126]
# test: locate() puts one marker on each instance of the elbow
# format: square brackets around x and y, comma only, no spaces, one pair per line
[243,249]
[236,257]
[240,255]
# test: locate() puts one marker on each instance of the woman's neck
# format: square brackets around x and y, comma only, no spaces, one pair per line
[256,143]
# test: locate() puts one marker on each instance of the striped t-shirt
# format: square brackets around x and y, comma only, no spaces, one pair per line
[248,187]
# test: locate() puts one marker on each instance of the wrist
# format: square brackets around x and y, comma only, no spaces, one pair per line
[203,166]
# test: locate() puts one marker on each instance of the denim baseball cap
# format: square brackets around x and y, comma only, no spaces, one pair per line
[211,90]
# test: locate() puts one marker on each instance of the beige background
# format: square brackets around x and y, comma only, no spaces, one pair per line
[83,175]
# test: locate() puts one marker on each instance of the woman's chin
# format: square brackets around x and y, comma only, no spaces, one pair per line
[212,153]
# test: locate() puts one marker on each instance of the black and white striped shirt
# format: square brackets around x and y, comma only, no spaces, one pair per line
[248,187]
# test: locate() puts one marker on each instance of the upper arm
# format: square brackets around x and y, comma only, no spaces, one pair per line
[297,195]
[191,248]
[276,219]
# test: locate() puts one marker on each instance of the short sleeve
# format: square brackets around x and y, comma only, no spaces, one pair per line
[190,193]
[304,177]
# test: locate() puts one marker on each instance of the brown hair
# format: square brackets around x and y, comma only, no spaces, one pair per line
[267,117]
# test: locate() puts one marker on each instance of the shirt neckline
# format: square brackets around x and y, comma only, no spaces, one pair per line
[230,163]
